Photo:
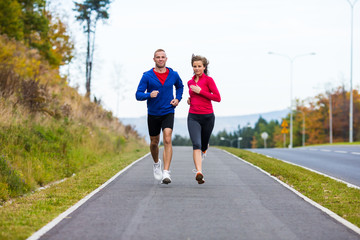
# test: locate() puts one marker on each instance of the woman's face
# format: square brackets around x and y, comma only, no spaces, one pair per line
[198,68]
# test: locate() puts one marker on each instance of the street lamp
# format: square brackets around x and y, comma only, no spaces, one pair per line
[303,128]
[231,141]
[291,59]
[239,139]
[351,72]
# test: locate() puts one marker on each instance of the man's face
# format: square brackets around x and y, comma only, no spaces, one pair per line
[160,59]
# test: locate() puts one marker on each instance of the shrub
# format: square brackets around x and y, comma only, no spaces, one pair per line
[12,183]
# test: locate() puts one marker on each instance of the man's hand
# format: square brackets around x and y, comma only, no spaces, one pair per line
[188,101]
[154,94]
[195,88]
[174,102]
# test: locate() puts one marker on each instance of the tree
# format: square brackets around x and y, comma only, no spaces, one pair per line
[11,23]
[62,46]
[89,13]
[30,22]
[36,26]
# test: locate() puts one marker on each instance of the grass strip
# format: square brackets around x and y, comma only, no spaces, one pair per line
[25,215]
[329,193]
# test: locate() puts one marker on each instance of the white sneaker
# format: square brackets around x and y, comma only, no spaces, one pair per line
[157,170]
[203,155]
[166,177]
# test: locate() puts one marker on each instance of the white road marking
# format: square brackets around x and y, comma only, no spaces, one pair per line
[356,153]
[325,150]
[340,151]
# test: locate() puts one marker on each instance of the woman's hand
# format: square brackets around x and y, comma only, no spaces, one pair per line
[195,88]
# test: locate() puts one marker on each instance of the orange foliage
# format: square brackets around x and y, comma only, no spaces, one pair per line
[317,116]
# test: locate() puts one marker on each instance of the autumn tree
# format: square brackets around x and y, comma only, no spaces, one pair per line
[28,21]
[60,40]
[317,116]
[89,12]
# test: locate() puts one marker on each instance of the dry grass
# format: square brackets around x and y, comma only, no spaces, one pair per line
[47,130]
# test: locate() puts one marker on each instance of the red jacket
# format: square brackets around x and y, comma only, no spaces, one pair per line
[201,103]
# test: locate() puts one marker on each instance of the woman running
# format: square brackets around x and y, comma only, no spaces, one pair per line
[201,118]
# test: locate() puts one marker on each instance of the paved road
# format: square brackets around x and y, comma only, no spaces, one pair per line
[237,201]
[342,162]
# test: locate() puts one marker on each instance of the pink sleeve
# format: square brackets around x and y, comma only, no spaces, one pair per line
[214,92]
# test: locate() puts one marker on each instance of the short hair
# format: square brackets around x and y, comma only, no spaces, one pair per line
[159,50]
[204,61]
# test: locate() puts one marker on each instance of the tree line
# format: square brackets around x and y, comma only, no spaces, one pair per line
[321,119]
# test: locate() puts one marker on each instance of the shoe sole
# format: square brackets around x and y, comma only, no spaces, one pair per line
[166,181]
[200,178]
[158,178]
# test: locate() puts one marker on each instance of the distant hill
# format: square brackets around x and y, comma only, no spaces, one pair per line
[229,123]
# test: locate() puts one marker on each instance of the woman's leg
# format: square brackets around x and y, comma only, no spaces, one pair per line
[195,136]
[206,130]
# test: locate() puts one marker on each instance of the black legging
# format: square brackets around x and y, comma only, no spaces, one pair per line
[200,127]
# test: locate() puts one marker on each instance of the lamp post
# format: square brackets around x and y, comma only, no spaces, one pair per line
[303,129]
[231,141]
[239,139]
[352,4]
[330,120]
[291,60]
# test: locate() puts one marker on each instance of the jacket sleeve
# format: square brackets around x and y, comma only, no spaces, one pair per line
[141,95]
[179,86]
[214,92]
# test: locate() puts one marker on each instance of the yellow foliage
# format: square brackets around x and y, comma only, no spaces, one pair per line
[15,56]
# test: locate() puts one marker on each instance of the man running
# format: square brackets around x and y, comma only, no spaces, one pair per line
[157,87]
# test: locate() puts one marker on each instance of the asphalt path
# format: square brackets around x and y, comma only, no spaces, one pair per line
[237,201]
[341,162]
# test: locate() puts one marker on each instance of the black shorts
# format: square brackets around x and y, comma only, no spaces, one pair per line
[156,123]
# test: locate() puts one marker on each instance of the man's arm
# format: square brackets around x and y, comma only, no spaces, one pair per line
[141,95]
[179,86]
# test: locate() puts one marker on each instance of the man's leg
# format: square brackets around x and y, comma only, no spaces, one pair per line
[167,154]
[154,147]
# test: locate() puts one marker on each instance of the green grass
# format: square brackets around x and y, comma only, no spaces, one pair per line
[329,193]
[34,155]
[25,215]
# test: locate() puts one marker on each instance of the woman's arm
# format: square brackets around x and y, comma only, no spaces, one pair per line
[214,94]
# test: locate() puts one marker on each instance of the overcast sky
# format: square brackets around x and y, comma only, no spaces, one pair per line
[235,36]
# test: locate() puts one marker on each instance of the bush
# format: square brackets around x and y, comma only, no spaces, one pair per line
[11,183]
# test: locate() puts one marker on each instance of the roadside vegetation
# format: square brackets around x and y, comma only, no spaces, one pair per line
[329,193]
[22,216]
[50,133]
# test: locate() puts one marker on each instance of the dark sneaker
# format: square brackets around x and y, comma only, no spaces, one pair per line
[199,177]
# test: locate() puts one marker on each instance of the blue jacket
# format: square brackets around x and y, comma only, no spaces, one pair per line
[160,105]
